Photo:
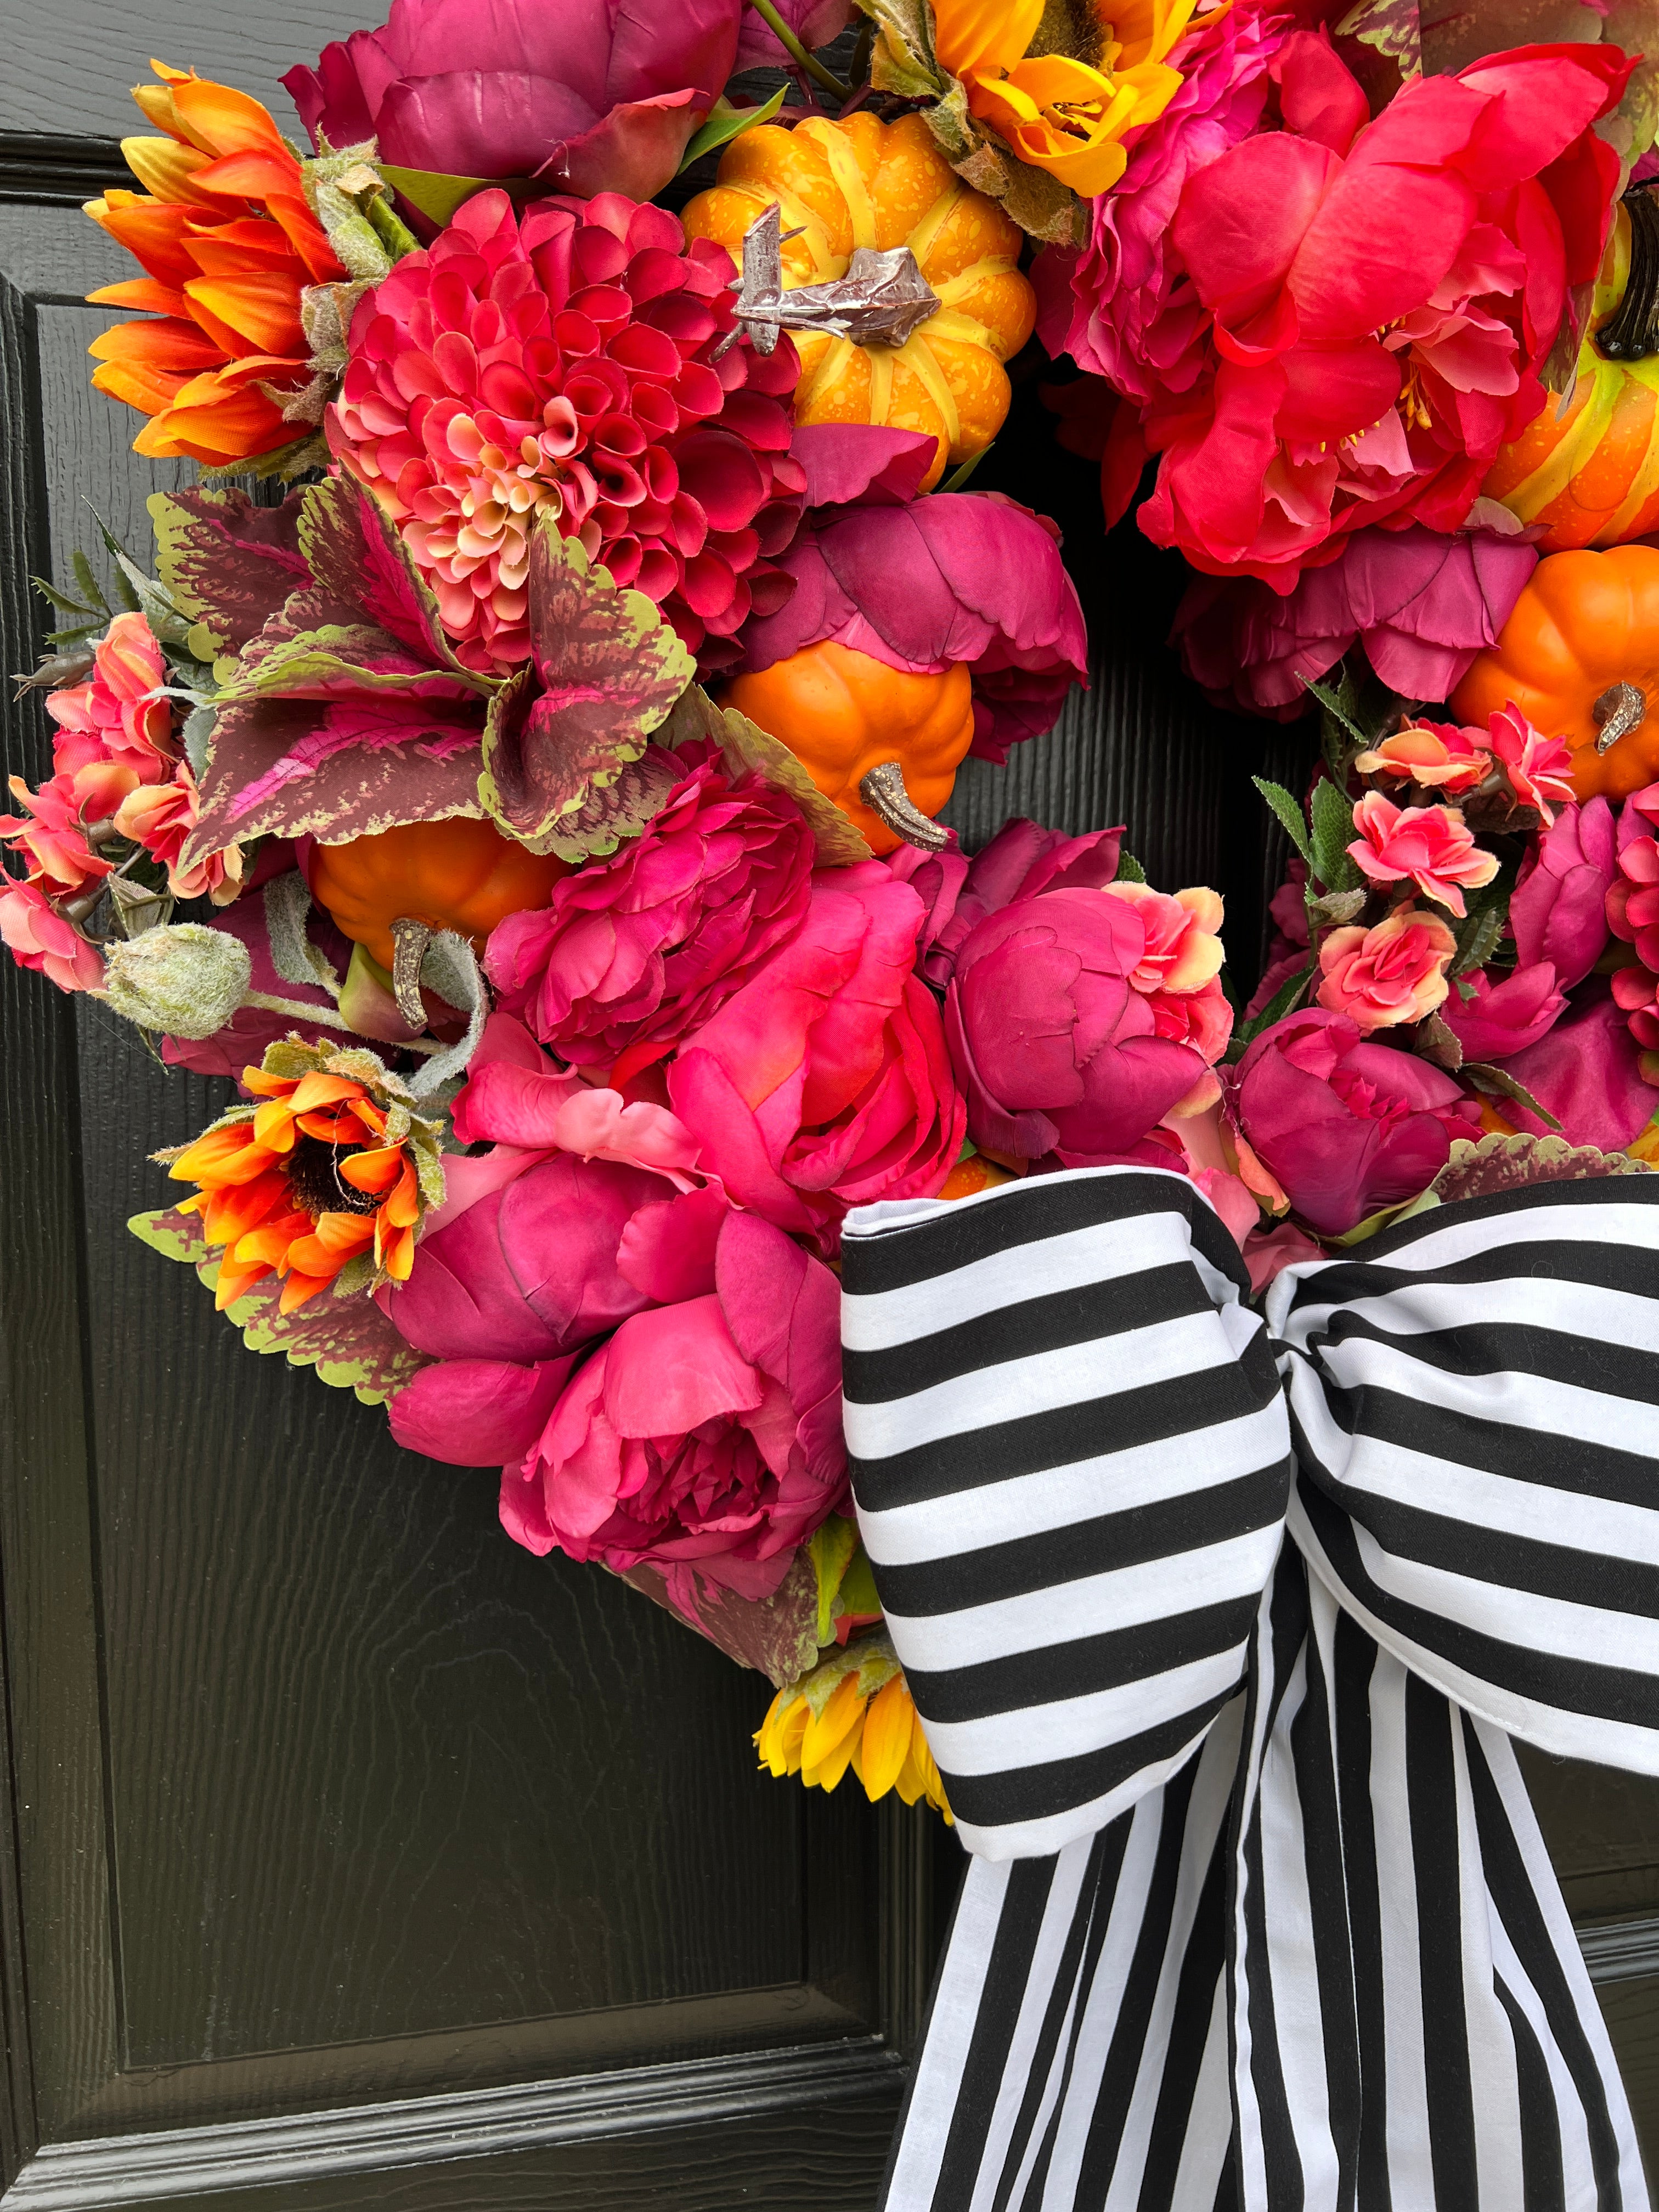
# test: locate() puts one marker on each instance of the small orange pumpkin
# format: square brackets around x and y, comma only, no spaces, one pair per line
[1590,476]
[866,183]
[1579,656]
[843,714]
[462,875]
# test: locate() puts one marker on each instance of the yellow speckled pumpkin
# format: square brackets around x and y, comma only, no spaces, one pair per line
[462,875]
[867,183]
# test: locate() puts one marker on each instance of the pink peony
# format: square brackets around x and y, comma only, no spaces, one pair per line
[563,363]
[1059,1054]
[1432,846]
[592,98]
[706,1434]
[1124,307]
[1589,1072]
[816,23]
[1346,1126]
[923,583]
[1500,1019]
[37,936]
[1420,604]
[1021,861]
[633,953]
[1395,972]
[1382,311]
[1558,911]
[823,1082]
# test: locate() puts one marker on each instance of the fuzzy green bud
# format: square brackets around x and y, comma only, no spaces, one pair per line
[186,981]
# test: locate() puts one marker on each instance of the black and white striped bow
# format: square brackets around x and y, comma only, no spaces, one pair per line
[1260,1916]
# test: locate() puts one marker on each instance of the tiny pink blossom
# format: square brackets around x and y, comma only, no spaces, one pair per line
[37,936]
[1439,756]
[1393,973]
[1537,769]
[160,817]
[1430,846]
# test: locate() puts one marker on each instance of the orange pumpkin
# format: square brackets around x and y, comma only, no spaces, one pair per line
[1579,656]
[866,183]
[1591,477]
[844,714]
[462,875]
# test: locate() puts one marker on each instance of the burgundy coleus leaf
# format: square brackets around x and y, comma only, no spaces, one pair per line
[776,1635]
[605,671]
[357,557]
[346,1339]
[229,566]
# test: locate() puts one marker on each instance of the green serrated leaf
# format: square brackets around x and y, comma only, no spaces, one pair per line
[727,122]
[1477,938]
[1289,814]
[64,604]
[1333,833]
[1497,1083]
[1129,870]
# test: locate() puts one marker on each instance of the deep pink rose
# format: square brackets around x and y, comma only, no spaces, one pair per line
[1123,306]
[1558,909]
[1588,1074]
[37,936]
[1504,1018]
[1421,603]
[1058,1052]
[1433,846]
[1346,1127]
[1394,972]
[634,953]
[1380,312]
[593,95]
[922,583]
[704,1435]
[1022,860]
[824,1083]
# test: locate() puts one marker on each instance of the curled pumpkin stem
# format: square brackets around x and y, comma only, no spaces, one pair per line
[1632,334]
[409,942]
[1620,709]
[883,791]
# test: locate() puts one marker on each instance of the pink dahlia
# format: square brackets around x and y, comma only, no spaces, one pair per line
[563,361]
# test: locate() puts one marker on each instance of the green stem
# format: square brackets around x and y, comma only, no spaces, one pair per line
[270,1004]
[797,53]
[389,227]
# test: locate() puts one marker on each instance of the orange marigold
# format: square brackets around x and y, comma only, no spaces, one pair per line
[331,1173]
[228,244]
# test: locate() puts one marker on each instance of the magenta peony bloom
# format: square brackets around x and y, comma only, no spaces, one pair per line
[1588,1074]
[1123,306]
[635,952]
[922,583]
[593,95]
[1433,846]
[1504,1018]
[1421,603]
[1346,1127]
[1057,1050]
[1022,860]
[562,363]
[1558,911]
[704,1435]
[824,1083]
[1395,972]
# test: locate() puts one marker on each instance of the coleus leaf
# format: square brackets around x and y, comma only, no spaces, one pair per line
[607,670]
[346,1339]
[357,557]
[337,661]
[227,565]
[777,1635]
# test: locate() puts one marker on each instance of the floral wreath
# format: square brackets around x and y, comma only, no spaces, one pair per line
[543,760]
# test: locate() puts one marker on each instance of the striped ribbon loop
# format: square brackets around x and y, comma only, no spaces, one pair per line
[1220,1626]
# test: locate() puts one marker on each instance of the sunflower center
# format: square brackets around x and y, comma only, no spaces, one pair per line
[314,1177]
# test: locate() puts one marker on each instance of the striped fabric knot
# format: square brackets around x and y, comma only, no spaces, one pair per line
[1220,1624]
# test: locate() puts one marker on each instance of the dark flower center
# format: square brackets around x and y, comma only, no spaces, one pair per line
[314,1177]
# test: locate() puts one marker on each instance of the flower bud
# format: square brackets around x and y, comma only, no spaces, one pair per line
[186,980]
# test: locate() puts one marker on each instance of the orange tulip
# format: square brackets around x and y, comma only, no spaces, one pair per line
[228,245]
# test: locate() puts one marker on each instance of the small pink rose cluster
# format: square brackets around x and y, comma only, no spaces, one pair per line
[119,788]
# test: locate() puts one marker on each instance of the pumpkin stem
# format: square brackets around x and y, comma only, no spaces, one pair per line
[1632,333]
[409,942]
[1620,709]
[883,791]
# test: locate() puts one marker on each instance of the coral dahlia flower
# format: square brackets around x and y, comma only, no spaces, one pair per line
[321,1175]
[564,362]
[228,245]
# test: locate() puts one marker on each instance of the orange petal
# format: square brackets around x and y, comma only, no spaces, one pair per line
[842,1714]
[176,347]
[236,428]
[319,1090]
[273,1125]
[220,1155]
[345,1234]
[396,1254]
[147,293]
[372,1172]
[259,310]
[230,1213]
[298,1288]
[235,1282]
[167,170]
[331,1128]
[273,1243]
[152,231]
[886,1736]
[402,1208]
[224,121]
[267,1086]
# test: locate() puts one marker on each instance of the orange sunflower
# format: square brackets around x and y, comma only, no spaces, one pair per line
[323,1178]
[228,244]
